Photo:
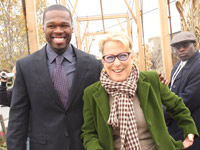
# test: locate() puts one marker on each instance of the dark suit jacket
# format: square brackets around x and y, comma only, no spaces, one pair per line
[97,134]
[36,110]
[187,86]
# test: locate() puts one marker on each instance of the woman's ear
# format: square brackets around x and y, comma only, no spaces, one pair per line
[132,56]
[103,61]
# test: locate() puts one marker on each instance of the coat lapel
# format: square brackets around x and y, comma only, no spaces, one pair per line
[102,103]
[181,72]
[102,100]
[143,92]
[42,72]
[79,76]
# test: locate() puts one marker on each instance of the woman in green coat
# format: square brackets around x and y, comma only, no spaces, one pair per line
[123,111]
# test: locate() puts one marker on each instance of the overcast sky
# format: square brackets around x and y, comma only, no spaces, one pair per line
[92,8]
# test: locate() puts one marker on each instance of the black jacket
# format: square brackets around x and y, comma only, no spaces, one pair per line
[187,86]
[36,110]
[5,95]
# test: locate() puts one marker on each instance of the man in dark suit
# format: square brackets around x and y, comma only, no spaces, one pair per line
[36,107]
[185,82]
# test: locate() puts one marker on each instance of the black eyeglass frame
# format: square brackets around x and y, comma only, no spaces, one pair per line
[114,57]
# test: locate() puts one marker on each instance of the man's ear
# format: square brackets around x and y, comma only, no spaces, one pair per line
[195,45]
[43,28]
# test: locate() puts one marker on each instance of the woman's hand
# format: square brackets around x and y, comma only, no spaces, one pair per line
[188,141]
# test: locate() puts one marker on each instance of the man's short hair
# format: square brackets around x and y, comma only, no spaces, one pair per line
[57,7]
[183,37]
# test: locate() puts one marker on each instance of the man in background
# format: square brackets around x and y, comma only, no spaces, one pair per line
[185,82]
[6,93]
[47,101]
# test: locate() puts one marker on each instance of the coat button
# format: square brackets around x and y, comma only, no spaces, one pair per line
[66,134]
[174,86]
[158,144]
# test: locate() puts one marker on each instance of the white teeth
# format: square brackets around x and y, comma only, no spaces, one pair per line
[117,71]
[58,39]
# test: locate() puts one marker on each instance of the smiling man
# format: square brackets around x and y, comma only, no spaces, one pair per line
[47,101]
[58,29]
[185,82]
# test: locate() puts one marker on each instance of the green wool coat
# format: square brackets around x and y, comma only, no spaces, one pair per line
[97,134]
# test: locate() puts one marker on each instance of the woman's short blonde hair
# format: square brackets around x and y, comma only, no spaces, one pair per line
[116,36]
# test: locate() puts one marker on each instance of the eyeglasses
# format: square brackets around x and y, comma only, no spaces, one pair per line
[184,45]
[121,56]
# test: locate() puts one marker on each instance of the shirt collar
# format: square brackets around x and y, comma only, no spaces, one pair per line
[68,54]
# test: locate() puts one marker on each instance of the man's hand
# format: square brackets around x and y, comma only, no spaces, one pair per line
[188,140]
[3,80]
[162,78]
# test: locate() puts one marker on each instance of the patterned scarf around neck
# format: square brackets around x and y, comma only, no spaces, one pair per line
[122,113]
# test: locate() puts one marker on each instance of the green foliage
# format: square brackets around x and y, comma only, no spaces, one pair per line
[11,33]
[3,147]
[13,36]
[2,141]
[40,8]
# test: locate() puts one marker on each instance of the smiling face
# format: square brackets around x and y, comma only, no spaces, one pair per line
[117,70]
[58,29]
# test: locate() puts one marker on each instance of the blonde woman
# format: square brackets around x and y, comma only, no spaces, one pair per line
[123,111]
